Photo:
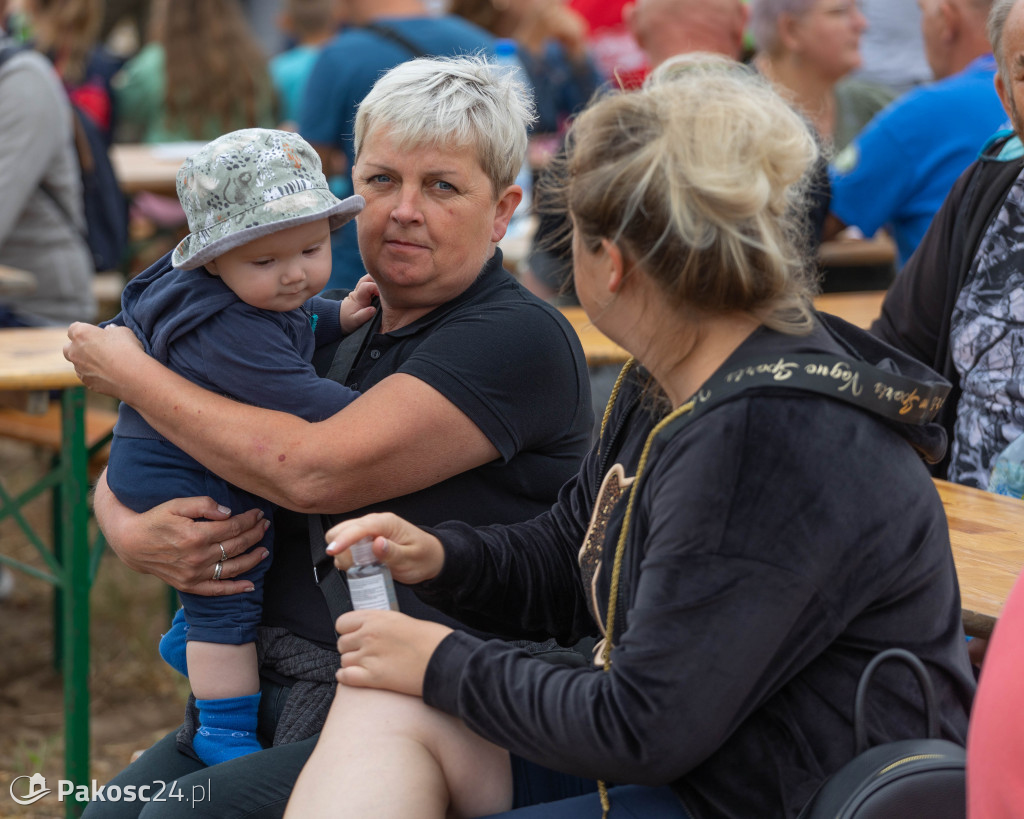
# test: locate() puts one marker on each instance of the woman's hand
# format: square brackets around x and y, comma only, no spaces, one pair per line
[386,649]
[101,356]
[356,307]
[411,554]
[168,543]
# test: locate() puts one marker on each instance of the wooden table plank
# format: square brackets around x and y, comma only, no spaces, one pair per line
[598,348]
[857,308]
[151,168]
[31,358]
[986,532]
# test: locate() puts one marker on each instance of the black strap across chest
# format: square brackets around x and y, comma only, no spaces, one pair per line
[328,579]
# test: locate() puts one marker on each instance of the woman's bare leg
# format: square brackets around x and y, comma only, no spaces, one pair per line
[383,754]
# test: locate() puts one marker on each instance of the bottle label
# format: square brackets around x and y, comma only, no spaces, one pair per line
[369,592]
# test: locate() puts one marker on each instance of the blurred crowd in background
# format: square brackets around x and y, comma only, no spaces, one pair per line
[163,71]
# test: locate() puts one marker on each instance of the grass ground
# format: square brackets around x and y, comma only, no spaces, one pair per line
[135,698]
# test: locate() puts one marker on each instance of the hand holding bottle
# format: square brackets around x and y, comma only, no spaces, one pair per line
[411,554]
[386,649]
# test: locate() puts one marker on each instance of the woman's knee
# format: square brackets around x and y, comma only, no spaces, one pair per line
[378,713]
[477,773]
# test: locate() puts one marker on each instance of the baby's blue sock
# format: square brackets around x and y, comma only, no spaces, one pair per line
[227,728]
[172,644]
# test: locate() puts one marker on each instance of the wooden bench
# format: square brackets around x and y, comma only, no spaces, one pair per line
[44,429]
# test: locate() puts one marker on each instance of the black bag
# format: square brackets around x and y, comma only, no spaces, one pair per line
[906,779]
[105,206]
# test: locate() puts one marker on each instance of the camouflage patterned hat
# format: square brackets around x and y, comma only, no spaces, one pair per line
[249,183]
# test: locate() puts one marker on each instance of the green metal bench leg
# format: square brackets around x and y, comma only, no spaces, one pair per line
[74,587]
[56,513]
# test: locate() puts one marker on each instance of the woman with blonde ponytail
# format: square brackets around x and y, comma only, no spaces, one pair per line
[753,526]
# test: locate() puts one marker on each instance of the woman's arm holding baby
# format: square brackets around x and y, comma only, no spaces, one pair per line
[383,445]
[179,541]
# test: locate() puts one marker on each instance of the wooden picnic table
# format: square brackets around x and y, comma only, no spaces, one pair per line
[32,362]
[32,358]
[986,532]
[152,168]
[598,348]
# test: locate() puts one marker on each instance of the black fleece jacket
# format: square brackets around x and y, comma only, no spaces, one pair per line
[777,543]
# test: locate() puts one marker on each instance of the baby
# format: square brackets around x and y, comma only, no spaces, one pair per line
[234,308]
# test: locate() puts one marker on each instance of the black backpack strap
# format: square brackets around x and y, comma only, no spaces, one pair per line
[328,579]
[347,351]
[395,37]
[85,165]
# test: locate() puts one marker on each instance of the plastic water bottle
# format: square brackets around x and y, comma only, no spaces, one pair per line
[506,55]
[1008,473]
[369,581]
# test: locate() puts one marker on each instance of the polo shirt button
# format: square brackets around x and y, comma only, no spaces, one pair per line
[374,354]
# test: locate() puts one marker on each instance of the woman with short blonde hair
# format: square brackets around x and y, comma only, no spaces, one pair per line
[474,404]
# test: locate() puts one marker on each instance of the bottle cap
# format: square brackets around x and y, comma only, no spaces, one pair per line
[362,552]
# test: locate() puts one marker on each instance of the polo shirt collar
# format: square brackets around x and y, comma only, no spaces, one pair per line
[490,276]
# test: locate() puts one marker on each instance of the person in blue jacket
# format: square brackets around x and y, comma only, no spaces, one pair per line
[234,308]
[898,170]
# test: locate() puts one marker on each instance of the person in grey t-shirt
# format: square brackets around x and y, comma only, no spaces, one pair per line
[37,149]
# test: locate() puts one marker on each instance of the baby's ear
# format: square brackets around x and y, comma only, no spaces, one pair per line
[211,268]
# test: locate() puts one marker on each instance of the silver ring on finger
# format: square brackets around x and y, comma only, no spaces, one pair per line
[223,554]
[217,570]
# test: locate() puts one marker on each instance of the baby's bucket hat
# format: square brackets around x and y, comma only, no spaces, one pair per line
[249,183]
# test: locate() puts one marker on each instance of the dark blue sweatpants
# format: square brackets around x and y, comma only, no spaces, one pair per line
[143,473]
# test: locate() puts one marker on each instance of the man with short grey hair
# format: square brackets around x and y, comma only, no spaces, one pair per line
[958,306]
